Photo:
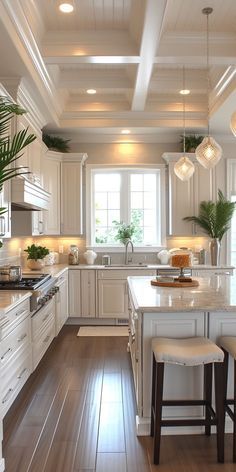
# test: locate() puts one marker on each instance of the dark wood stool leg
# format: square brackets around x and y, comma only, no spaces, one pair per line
[234,430]
[153,395]
[208,394]
[220,409]
[158,410]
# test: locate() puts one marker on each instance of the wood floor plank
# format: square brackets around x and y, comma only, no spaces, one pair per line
[111,389]
[111,428]
[87,442]
[61,457]
[108,462]
[69,423]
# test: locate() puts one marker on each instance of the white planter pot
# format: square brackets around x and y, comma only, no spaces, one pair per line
[35,264]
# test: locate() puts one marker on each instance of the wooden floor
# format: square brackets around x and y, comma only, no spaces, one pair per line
[77,413]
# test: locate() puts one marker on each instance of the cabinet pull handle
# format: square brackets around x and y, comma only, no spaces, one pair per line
[20,339]
[45,318]
[46,339]
[222,273]
[8,394]
[22,373]
[41,225]
[20,312]
[7,320]
[2,226]
[6,353]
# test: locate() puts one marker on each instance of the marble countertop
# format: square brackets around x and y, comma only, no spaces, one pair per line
[58,269]
[9,299]
[217,293]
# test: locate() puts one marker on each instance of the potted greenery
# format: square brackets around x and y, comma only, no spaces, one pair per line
[191,142]
[124,231]
[56,143]
[214,218]
[36,254]
[11,146]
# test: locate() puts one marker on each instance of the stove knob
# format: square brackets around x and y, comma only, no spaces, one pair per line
[41,301]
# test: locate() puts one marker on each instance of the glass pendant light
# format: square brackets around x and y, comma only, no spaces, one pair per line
[209,152]
[184,168]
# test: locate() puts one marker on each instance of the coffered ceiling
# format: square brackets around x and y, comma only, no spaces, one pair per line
[132,52]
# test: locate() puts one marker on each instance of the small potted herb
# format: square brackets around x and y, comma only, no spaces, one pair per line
[35,258]
[124,231]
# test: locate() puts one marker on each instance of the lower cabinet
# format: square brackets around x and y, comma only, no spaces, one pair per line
[43,331]
[113,291]
[74,293]
[61,300]
[213,271]
[82,293]
[15,353]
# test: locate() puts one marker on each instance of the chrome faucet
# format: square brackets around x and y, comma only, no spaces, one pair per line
[128,260]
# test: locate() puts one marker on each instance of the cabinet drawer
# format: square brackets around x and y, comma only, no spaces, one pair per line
[13,317]
[123,274]
[42,317]
[43,342]
[16,340]
[14,377]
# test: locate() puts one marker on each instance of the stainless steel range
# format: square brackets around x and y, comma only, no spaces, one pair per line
[41,286]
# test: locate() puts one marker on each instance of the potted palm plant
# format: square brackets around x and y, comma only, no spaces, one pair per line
[11,146]
[214,218]
[36,254]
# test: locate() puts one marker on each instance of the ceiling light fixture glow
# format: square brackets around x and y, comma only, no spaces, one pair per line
[209,152]
[184,92]
[91,91]
[125,131]
[184,168]
[66,7]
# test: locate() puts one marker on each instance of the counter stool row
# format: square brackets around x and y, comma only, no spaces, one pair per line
[187,352]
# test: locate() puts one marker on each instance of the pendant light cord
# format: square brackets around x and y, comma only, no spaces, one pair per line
[184,108]
[207,11]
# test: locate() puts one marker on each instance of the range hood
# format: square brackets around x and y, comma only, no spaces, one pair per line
[27,195]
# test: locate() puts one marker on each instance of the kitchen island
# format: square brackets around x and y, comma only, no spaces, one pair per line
[207,310]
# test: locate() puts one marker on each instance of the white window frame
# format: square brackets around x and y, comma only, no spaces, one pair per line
[89,210]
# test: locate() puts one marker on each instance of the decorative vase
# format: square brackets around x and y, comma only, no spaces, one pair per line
[35,264]
[215,251]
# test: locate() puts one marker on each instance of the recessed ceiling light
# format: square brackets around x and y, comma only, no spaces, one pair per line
[91,91]
[125,131]
[185,92]
[66,7]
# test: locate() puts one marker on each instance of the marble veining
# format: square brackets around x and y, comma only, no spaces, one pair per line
[216,293]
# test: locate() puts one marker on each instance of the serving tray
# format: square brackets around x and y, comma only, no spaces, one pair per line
[174,283]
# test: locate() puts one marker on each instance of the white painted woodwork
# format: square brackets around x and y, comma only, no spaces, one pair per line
[5,202]
[43,331]
[213,271]
[52,183]
[88,293]
[184,197]
[74,293]
[71,194]
[61,298]
[27,223]
[113,292]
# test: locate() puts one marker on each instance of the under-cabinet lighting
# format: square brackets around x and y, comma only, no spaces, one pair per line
[66,7]
[91,91]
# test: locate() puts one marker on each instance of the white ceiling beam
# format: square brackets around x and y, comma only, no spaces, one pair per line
[92,59]
[151,35]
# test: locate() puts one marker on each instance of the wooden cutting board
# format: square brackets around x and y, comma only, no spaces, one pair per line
[158,283]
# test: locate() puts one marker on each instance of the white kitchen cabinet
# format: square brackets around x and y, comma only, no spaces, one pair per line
[113,293]
[51,168]
[15,353]
[61,301]
[184,197]
[74,293]
[214,271]
[5,219]
[72,193]
[43,331]
[31,156]
[27,223]
[88,293]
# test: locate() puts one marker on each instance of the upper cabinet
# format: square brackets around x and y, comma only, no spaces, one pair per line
[51,167]
[72,193]
[184,197]
[32,155]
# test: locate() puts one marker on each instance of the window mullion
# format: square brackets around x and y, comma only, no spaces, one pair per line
[124,197]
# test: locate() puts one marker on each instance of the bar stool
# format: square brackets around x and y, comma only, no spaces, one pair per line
[188,352]
[228,344]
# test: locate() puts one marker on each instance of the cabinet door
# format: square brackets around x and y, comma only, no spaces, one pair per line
[112,299]
[5,202]
[61,301]
[181,204]
[74,293]
[71,203]
[52,183]
[88,293]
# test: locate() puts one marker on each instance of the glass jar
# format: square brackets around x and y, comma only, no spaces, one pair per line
[73,256]
[181,259]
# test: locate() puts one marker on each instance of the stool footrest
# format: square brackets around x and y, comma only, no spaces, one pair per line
[188,422]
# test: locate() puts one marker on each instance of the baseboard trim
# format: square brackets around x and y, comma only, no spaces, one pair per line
[143,428]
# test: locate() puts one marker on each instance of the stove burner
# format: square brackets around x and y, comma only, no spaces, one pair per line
[28,282]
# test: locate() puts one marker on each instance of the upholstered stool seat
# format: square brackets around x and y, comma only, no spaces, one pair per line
[193,351]
[228,344]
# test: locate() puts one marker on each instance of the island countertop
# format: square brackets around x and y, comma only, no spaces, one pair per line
[216,293]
